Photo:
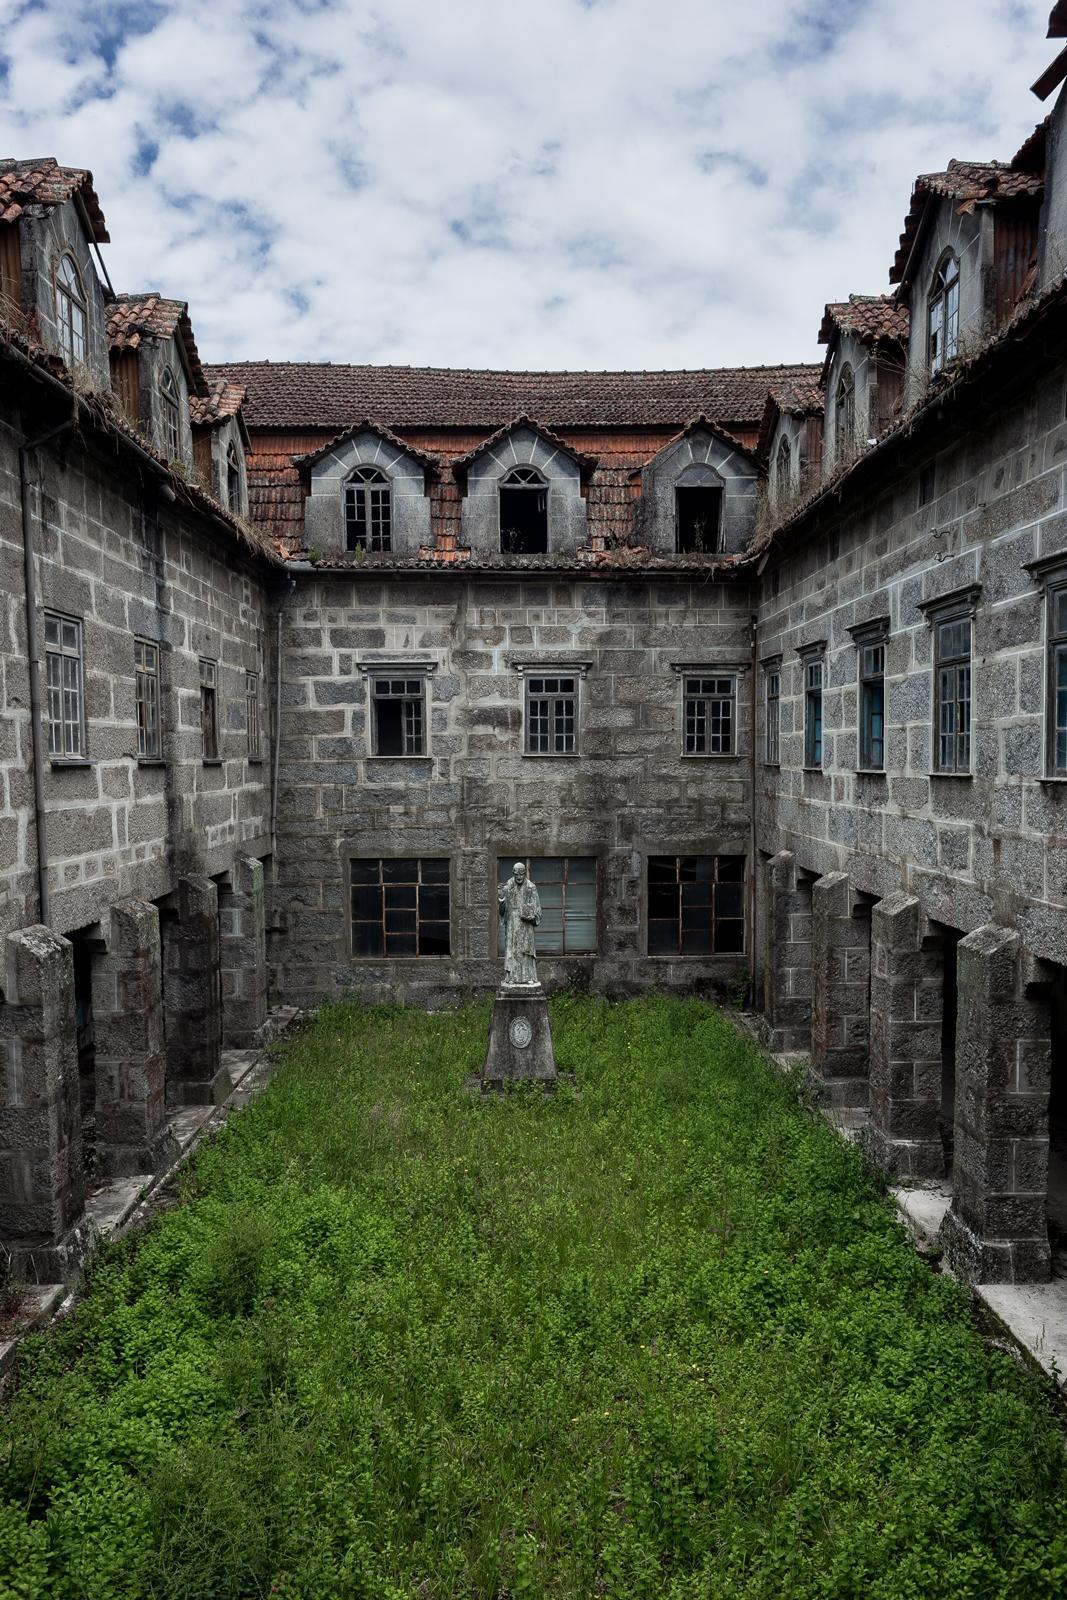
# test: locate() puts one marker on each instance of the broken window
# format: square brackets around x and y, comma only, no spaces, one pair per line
[944,313]
[523,513]
[566,887]
[146,672]
[368,511]
[169,416]
[66,696]
[70,311]
[783,470]
[698,519]
[872,707]
[1058,680]
[400,908]
[551,716]
[813,681]
[398,716]
[708,707]
[774,720]
[696,905]
[233,479]
[952,694]
[845,412]
[209,709]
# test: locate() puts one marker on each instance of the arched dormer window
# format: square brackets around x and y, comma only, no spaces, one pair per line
[368,511]
[70,311]
[845,412]
[233,478]
[523,513]
[783,470]
[169,416]
[943,316]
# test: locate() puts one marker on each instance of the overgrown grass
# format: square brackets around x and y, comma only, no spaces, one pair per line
[662,1338]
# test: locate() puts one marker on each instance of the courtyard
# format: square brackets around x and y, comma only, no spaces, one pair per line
[657,1335]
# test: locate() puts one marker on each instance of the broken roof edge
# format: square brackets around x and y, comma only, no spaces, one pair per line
[1018,332]
[620,562]
[47,368]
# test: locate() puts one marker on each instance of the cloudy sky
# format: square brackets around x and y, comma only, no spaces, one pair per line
[565,183]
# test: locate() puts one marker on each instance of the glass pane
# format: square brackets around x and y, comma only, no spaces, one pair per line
[580,934]
[366,902]
[581,869]
[434,939]
[662,869]
[404,871]
[400,896]
[365,871]
[663,900]
[696,941]
[729,900]
[435,871]
[433,902]
[662,938]
[1059,611]
[401,944]
[581,897]
[367,939]
[729,938]
[547,869]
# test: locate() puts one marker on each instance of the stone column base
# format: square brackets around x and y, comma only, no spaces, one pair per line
[151,1155]
[58,1261]
[979,1260]
[902,1158]
[520,1039]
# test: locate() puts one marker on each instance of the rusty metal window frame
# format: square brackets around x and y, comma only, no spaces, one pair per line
[64,647]
[696,906]
[400,907]
[148,699]
[368,506]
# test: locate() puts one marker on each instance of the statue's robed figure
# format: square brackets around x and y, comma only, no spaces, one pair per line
[519,904]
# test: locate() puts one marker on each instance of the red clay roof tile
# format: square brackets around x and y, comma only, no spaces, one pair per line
[868,317]
[133,317]
[222,401]
[965,181]
[43,182]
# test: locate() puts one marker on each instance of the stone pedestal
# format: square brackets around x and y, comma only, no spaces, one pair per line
[192,1001]
[840,1011]
[520,1039]
[243,955]
[905,1051]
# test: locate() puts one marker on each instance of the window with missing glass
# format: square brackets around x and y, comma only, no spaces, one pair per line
[952,694]
[814,672]
[845,411]
[1057,695]
[943,313]
[398,716]
[252,714]
[709,714]
[170,415]
[66,686]
[773,697]
[368,511]
[566,887]
[551,714]
[233,478]
[209,709]
[70,311]
[400,908]
[696,905]
[146,675]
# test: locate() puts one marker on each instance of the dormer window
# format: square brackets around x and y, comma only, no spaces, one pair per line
[368,511]
[845,412]
[168,408]
[70,311]
[698,516]
[524,513]
[944,313]
[233,478]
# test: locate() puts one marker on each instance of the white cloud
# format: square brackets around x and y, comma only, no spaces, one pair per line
[567,184]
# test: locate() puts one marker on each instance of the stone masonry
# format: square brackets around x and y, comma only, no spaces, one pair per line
[841,997]
[787,970]
[192,998]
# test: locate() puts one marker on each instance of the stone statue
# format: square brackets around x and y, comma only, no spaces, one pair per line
[519,903]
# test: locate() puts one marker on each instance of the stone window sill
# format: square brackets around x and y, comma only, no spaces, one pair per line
[151,761]
[821,771]
[254,761]
[1055,783]
[952,777]
[71,761]
[709,755]
[212,761]
[382,961]
[424,757]
[772,766]
[871,772]
[552,755]
[738,955]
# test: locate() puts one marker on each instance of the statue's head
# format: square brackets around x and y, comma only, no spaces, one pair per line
[519,870]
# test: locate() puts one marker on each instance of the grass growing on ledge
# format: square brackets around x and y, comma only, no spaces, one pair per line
[662,1339]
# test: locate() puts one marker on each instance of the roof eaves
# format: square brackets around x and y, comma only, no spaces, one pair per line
[429,462]
[585,463]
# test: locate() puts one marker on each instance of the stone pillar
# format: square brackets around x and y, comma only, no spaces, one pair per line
[243,954]
[41,1177]
[996,1230]
[131,1133]
[787,956]
[905,1045]
[192,1012]
[840,1005]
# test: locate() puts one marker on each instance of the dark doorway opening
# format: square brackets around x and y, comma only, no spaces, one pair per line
[524,514]
[1056,1202]
[946,1117]
[698,519]
[86,1036]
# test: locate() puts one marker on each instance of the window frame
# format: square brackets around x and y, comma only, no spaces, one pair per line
[679,954]
[233,477]
[870,639]
[365,482]
[395,669]
[208,675]
[944,300]
[772,675]
[845,410]
[507,859]
[941,612]
[170,414]
[145,673]
[783,468]
[1056,644]
[522,478]
[718,532]
[252,720]
[690,674]
[69,300]
[414,728]
[813,656]
[382,884]
[60,652]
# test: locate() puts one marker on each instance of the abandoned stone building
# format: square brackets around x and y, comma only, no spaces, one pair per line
[763,671]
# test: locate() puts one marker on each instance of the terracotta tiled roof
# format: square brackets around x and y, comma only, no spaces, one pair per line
[461,463]
[43,182]
[134,317]
[293,395]
[631,559]
[1030,156]
[429,462]
[965,181]
[221,401]
[788,400]
[868,317]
